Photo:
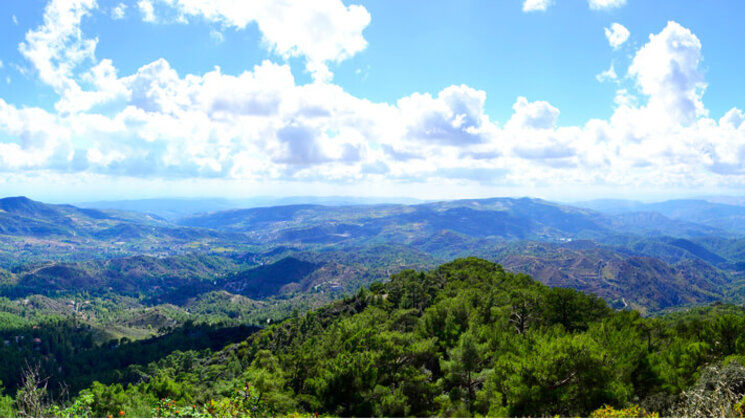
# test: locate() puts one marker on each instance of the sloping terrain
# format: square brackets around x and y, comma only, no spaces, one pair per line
[718,215]
[624,280]
[634,258]
[466,339]
[32,231]
[495,219]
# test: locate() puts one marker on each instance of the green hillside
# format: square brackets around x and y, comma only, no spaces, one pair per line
[465,339]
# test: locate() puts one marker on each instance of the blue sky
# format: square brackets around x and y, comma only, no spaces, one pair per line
[430,99]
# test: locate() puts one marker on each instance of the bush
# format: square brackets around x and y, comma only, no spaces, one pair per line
[716,393]
[630,412]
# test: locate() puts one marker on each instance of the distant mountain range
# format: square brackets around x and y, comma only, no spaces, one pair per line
[723,216]
[174,208]
[646,256]
[501,219]
[34,231]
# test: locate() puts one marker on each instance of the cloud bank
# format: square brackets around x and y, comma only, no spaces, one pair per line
[262,125]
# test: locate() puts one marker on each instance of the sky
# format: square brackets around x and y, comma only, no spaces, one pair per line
[559,99]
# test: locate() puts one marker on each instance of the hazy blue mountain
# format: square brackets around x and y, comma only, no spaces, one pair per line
[168,208]
[495,219]
[725,199]
[500,219]
[23,216]
[174,208]
[653,224]
[719,215]
[328,201]
[610,206]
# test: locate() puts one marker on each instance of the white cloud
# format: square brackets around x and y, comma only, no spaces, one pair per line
[105,87]
[258,124]
[617,34]
[667,70]
[456,117]
[324,31]
[605,4]
[300,145]
[733,118]
[625,98]
[118,11]
[15,19]
[607,75]
[157,88]
[37,140]
[261,126]
[1,64]
[533,115]
[536,5]
[147,10]
[57,47]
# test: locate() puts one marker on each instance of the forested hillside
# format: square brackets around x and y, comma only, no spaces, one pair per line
[465,339]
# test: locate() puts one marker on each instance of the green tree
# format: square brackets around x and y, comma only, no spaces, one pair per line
[558,374]
[462,379]
[6,404]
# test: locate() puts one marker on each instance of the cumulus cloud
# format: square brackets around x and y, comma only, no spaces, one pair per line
[617,34]
[36,139]
[536,5]
[733,118]
[454,117]
[262,125]
[533,115]
[605,4]
[259,123]
[301,146]
[57,47]
[147,9]
[667,70]
[323,32]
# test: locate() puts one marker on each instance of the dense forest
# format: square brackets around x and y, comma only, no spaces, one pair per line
[465,339]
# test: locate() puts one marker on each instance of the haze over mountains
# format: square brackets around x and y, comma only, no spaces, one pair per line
[174,208]
[725,216]
[721,212]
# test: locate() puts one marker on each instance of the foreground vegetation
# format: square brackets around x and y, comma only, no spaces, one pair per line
[465,339]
